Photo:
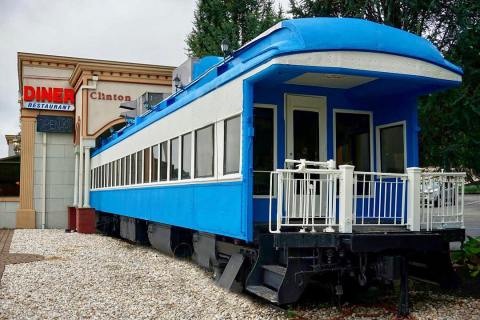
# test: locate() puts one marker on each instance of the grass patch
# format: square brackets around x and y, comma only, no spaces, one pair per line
[472,188]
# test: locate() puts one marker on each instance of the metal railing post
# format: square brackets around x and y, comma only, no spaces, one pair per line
[346,199]
[279,203]
[413,198]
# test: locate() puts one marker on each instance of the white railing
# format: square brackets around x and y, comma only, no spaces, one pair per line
[306,196]
[441,200]
[315,196]
[379,198]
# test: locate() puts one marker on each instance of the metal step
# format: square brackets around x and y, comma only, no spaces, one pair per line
[264,292]
[273,275]
[231,270]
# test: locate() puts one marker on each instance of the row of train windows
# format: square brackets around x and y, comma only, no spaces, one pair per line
[172,159]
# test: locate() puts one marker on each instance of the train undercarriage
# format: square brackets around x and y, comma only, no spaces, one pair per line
[279,267]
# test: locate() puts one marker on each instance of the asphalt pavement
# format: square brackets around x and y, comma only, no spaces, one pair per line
[472,214]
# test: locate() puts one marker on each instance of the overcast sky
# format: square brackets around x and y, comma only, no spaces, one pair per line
[147,31]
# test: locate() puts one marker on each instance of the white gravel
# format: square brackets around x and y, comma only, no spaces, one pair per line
[92,276]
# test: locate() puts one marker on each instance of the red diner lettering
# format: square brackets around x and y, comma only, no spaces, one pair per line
[28,93]
[93,95]
[46,94]
[68,96]
[57,95]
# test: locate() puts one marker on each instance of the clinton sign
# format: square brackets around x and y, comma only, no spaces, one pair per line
[41,98]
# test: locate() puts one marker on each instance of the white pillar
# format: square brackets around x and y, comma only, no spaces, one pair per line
[413,198]
[80,175]
[346,213]
[75,184]
[86,185]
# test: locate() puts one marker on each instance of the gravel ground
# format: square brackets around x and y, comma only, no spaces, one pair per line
[92,276]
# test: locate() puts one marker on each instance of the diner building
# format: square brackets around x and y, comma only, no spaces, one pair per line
[67,105]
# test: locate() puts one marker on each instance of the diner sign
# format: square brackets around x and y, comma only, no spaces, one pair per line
[41,98]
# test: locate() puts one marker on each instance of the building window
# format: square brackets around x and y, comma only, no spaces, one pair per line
[154,160]
[139,167]
[187,156]
[163,160]
[133,167]
[231,149]
[127,170]
[392,149]
[204,152]
[352,136]
[174,144]
[263,149]
[146,165]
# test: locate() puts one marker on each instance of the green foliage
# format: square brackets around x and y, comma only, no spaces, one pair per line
[450,121]
[469,256]
[237,21]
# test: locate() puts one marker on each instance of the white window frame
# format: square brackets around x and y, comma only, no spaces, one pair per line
[221,148]
[215,152]
[274,107]
[334,133]
[378,146]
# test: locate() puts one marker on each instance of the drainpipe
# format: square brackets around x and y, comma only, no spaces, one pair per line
[75,184]
[86,201]
[80,175]
[44,177]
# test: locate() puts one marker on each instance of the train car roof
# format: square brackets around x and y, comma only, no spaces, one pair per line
[289,37]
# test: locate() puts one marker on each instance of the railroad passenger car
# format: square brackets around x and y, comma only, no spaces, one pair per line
[293,159]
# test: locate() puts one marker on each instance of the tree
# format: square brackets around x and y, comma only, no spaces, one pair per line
[237,21]
[450,121]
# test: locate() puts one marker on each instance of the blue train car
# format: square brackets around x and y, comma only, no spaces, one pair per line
[302,143]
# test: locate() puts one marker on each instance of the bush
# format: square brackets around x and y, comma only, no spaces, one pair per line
[469,256]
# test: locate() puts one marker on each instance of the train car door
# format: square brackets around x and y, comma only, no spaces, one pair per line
[306,138]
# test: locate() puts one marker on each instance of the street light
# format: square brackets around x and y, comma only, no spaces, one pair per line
[225,47]
[177,82]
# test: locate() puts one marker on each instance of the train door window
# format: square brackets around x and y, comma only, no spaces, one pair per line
[174,145]
[204,152]
[186,156]
[139,167]
[352,140]
[146,165]
[154,161]
[133,168]
[163,160]
[263,149]
[391,148]
[231,147]
[127,170]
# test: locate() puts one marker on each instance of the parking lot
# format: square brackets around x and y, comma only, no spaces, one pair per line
[472,214]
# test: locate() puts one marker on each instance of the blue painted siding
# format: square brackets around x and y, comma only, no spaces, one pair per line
[210,207]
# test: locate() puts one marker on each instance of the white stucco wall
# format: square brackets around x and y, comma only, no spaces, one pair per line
[60,172]
[8,213]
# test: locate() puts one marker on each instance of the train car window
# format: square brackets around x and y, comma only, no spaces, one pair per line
[163,160]
[122,171]
[186,156]
[139,167]
[146,165]
[117,173]
[263,146]
[352,138]
[392,149]
[110,174]
[133,167]
[174,145]
[154,160]
[231,140]
[204,152]
[127,170]
[102,176]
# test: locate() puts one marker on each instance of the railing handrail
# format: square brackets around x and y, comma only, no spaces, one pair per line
[383,174]
[460,174]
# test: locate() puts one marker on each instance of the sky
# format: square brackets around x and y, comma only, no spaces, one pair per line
[146,31]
